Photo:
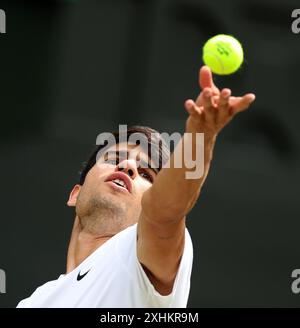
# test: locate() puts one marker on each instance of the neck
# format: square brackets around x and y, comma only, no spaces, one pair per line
[82,244]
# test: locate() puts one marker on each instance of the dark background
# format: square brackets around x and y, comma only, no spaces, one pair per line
[73,69]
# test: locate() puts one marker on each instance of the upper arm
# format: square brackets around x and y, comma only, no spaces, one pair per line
[160,245]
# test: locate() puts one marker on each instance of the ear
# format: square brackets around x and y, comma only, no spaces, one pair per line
[73,195]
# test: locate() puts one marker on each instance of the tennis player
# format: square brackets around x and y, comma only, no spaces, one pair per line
[129,245]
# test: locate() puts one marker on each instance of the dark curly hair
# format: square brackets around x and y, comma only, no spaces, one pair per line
[155,143]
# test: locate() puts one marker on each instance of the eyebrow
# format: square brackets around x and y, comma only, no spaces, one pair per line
[125,154]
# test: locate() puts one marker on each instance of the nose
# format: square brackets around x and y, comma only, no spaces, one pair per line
[129,167]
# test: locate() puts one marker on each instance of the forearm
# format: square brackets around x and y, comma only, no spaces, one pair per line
[173,194]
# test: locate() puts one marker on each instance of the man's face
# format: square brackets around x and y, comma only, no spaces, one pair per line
[110,198]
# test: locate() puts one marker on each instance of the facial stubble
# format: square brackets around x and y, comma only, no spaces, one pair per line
[102,214]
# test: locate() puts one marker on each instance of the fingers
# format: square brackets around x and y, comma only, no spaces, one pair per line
[206,79]
[218,109]
[208,98]
[224,99]
[239,104]
[210,103]
[192,108]
[207,111]
[216,100]
[223,104]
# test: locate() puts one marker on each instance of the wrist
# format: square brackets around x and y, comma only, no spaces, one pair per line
[210,138]
[193,126]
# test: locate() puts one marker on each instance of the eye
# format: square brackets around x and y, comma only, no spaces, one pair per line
[114,161]
[147,176]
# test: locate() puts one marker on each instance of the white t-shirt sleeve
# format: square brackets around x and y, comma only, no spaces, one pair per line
[180,292]
[26,303]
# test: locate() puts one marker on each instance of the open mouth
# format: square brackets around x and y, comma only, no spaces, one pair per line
[121,181]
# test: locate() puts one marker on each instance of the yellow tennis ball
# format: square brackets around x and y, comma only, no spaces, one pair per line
[223,54]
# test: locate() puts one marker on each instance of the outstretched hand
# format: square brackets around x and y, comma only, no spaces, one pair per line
[213,109]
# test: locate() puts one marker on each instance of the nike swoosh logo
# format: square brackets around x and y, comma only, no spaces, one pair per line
[79,276]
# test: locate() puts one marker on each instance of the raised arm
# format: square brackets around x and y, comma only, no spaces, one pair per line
[165,205]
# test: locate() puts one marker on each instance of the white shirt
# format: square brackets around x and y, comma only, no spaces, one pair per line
[113,277]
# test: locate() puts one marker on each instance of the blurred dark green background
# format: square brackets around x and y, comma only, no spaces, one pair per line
[73,69]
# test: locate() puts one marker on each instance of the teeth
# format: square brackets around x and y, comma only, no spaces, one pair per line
[119,182]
